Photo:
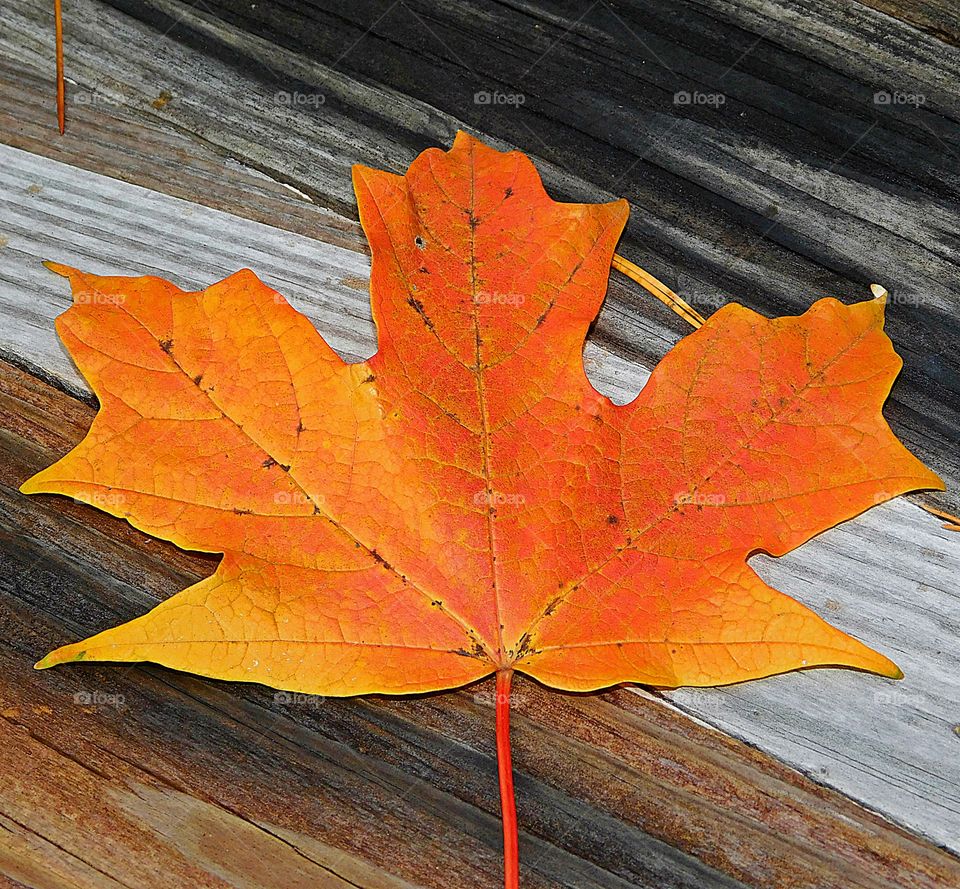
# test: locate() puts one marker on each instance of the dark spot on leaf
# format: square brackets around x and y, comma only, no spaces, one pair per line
[417,306]
[543,317]
[166,345]
[268,463]
[523,648]
[507,192]
[612,520]
[381,560]
[419,242]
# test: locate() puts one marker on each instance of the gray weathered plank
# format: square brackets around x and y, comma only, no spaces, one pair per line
[887,576]
[800,185]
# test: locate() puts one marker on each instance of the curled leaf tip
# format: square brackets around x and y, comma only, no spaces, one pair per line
[879,291]
[67,654]
[886,667]
[58,268]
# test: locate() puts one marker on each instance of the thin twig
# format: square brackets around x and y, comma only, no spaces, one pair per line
[952,522]
[658,289]
[61,87]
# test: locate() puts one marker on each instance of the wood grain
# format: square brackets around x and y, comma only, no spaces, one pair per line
[799,185]
[145,777]
[848,729]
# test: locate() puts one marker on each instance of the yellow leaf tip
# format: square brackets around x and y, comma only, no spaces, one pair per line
[879,291]
[888,669]
[30,486]
[59,268]
[64,655]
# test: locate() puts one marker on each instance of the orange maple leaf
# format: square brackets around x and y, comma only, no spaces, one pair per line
[465,502]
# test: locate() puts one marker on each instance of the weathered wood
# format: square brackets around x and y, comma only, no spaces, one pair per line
[163,779]
[799,185]
[103,225]
[847,729]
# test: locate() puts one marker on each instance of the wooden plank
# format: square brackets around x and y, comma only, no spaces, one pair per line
[848,729]
[55,211]
[799,185]
[938,18]
[140,776]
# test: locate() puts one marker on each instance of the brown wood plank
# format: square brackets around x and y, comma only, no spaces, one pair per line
[164,779]
[938,18]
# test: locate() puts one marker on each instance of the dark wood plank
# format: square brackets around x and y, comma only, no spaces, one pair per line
[800,184]
[143,776]
[886,577]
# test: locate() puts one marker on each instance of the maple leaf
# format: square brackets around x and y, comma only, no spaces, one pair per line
[465,502]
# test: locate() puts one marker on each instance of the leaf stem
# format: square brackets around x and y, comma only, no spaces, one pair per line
[658,289]
[508,805]
[58,37]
